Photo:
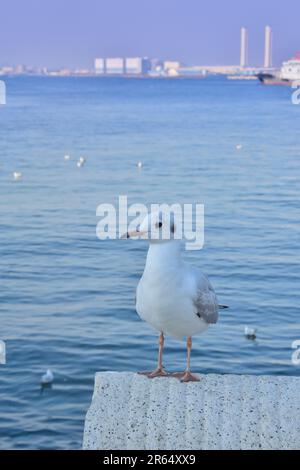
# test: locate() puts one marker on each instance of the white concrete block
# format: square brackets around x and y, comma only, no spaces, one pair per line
[129,411]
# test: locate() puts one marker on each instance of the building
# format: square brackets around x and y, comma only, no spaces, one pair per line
[81,72]
[20,69]
[100,65]
[146,65]
[156,65]
[6,70]
[268,47]
[137,65]
[114,66]
[244,48]
[171,65]
[134,65]
[120,66]
[191,71]
[171,68]
[202,70]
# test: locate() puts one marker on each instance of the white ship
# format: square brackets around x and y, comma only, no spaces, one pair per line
[289,73]
[290,69]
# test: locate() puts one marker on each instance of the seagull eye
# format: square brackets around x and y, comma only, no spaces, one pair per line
[158,225]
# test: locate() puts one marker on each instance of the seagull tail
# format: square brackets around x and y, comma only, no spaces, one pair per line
[221,307]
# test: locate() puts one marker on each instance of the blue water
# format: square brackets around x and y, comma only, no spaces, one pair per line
[67,298]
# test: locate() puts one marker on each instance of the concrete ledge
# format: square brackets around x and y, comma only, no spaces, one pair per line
[129,411]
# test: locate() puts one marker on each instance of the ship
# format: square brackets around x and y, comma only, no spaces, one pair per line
[287,75]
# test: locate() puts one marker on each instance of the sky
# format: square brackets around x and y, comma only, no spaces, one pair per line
[71,33]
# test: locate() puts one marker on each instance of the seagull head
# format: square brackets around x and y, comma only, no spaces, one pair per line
[157,227]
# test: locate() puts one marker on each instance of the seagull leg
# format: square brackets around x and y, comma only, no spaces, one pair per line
[187,376]
[159,371]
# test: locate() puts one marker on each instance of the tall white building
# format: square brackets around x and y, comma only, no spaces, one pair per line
[100,65]
[134,65]
[244,48]
[268,47]
[137,65]
[114,65]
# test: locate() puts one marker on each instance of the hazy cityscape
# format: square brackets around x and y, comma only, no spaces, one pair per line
[155,67]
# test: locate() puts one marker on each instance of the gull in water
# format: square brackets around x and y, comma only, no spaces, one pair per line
[139,165]
[17,175]
[173,297]
[47,378]
[67,157]
[81,162]
[250,333]
[239,146]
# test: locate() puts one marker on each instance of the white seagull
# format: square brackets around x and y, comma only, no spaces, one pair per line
[250,333]
[47,378]
[17,175]
[173,297]
[81,162]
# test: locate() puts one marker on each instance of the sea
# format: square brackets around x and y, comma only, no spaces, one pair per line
[67,298]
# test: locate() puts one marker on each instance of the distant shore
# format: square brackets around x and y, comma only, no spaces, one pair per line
[124,76]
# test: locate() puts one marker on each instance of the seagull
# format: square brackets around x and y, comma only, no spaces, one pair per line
[139,164]
[175,298]
[17,175]
[47,378]
[250,333]
[239,146]
[67,157]
[81,162]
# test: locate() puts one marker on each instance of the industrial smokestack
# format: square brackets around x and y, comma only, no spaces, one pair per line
[268,47]
[244,47]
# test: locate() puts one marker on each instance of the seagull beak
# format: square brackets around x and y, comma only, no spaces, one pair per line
[134,233]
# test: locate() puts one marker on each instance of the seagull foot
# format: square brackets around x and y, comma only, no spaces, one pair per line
[186,376]
[159,372]
[189,377]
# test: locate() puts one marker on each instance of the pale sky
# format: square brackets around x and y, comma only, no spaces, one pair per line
[71,33]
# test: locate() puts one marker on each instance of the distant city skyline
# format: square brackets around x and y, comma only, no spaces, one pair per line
[71,34]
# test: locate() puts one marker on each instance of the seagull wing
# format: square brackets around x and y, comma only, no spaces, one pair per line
[205,300]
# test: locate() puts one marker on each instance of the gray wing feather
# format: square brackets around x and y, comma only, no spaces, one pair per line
[206,302]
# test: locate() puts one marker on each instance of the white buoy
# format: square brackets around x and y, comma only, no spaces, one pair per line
[67,157]
[47,378]
[139,164]
[239,146]
[250,333]
[17,175]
